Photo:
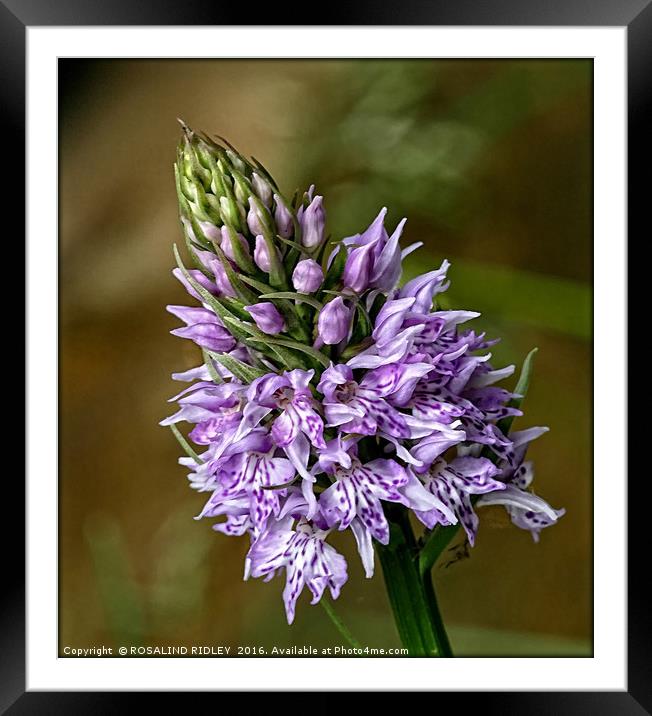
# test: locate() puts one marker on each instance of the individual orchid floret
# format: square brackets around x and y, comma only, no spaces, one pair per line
[307,559]
[203,327]
[425,287]
[359,488]
[334,322]
[374,257]
[203,401]
[453,484]
[313,223]
[364,408]
[199,278]
[222,281]
[249,468]
[290,394]
[526,510]
[358,267]
[307,276]
[267,318]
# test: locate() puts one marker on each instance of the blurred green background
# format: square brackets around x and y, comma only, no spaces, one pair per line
[490,160]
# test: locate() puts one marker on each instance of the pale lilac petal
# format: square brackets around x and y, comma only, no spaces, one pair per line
[365,547]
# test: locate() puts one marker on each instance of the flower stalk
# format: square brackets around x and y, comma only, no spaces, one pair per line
[411,594]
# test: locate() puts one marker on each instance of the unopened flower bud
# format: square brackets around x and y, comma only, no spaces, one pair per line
[283,218]
[334,321]
[236,161]
[267,318]
[313,222]
[221,279]
[262,188]
[307,276]
[241,190]
[357,269]
[227,237]
[255,219]
[210,230]
[261,254]
[229,211]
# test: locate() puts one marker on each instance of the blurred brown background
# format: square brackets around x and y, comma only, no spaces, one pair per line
[491,161]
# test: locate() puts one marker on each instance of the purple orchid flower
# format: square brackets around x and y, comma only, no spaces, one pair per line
[453,484]
[283,218]
[203,328]
[228,236]
[334,322]
[424,288]
[307,559]
[267,318]
[261,254]
[364,408]
[204,400]
[313,222]
[256,217]
[262,188]
[526,510]
[358,488]
[374,258]
[249,468]
[290,394]
[307,276]
[199,277]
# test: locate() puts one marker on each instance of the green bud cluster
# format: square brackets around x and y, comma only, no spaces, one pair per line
[225,197]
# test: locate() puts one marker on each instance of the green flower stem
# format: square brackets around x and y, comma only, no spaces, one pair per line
[339,624]
[412,596]
[435,615]
[434,546]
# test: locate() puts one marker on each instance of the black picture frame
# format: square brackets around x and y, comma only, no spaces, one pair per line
[17,15]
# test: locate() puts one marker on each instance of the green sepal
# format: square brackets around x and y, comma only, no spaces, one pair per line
[206,211]
[300,297]
[334,273]
[215,376]
[520,391]
[234,155]
[230,211]
[258,285]
[292,244]
[241,186]
[254,335]
[192,250]
[243,372]
[301,347]
[236,307]
[362,326]
[261,170]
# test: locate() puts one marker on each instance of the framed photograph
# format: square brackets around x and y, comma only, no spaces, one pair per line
[389,425]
